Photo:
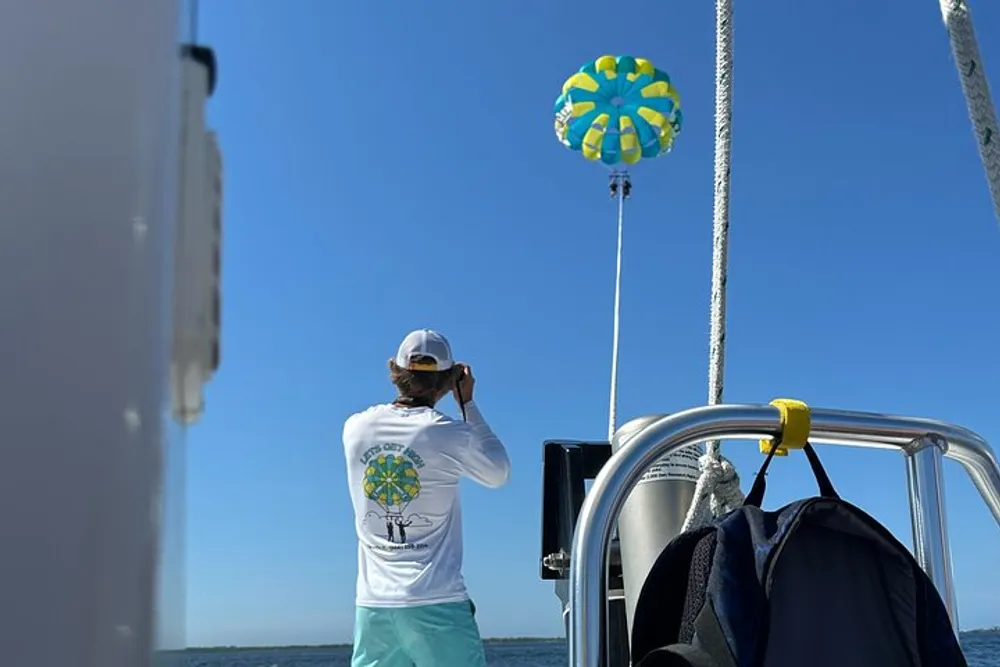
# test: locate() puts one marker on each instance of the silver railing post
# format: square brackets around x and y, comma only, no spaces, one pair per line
[925,480]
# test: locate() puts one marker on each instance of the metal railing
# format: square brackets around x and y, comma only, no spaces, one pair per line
[923,441]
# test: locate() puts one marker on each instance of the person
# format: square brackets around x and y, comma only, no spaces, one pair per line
[404,463]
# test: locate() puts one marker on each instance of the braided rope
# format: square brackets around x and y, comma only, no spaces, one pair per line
[720,216]
[958,22]
[718,488]
[717,491]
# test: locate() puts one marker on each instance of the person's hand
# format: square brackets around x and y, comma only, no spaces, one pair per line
[464,384]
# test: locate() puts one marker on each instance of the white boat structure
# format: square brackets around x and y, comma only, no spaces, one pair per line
[110,201]
[110,196]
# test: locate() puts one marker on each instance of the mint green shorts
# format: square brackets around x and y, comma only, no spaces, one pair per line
[433,635]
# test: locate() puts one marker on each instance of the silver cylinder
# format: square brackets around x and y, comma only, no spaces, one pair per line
[88,169]
[654,512]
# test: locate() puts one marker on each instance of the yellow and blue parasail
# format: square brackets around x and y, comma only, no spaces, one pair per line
[618,109]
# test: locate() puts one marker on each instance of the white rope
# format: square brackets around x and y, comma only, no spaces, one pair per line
[613,407]
[962,36]
[718,487]
[720,217]
[717,491]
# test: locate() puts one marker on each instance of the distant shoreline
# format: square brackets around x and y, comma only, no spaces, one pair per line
[489,640]
[317,647]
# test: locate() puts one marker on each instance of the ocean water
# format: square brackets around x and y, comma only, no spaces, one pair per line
[498,654]
[982,649]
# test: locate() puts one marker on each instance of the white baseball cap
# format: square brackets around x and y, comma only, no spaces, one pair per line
[424,343]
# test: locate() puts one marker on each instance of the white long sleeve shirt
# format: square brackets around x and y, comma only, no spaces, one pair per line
[403,467]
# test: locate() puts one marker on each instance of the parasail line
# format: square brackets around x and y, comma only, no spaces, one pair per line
[620,189]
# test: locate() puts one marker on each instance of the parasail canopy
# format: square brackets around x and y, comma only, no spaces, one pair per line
[618,109]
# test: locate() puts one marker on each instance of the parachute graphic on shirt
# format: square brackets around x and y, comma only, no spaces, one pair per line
[392,482]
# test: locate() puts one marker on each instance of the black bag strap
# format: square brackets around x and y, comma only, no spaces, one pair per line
[826,490]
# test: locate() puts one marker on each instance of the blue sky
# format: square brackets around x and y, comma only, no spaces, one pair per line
[392,165]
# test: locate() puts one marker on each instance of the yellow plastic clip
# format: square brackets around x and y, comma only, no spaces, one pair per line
[795,425]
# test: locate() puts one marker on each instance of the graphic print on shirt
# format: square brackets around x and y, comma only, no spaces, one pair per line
[392,481]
